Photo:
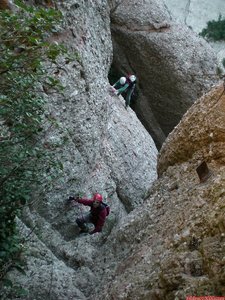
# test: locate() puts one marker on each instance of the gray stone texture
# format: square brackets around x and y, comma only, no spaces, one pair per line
[102,146]
[196,14]
[164,238]
[173,65]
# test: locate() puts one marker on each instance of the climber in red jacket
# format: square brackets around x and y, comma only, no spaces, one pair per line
[96,215]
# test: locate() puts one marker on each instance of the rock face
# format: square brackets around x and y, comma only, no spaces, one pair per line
[200,134]
[99,142]
[103,147]
[173,65]
[195,14]
[173,246]
[157,242]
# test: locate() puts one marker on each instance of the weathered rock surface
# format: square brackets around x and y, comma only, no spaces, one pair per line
[174,66]
[173,245]
[162,249]
[200,134]
[103,147]
[195,14]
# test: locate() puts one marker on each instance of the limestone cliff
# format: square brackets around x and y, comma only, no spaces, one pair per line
[173,65]
[157,243]
[173,246]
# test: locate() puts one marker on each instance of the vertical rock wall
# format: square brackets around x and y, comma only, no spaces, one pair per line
[173,65]
[102,146]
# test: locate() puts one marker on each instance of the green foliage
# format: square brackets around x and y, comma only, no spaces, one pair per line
[25,48]
[11,290]
[215,30]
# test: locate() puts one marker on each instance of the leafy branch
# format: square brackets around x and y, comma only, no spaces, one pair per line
[26,57]
[215,30]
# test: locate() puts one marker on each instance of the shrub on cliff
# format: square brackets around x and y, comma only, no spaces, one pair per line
[25,162]
[215,30]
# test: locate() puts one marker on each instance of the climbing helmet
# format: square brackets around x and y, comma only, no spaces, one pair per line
[98,197]
[132,78]
[123,80]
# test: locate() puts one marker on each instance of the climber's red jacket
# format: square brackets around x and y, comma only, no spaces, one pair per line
[98,215]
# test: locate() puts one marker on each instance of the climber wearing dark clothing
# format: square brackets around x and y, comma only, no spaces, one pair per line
[125,84]
[96,215]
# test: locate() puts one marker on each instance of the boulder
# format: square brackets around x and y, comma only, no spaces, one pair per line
[173,65]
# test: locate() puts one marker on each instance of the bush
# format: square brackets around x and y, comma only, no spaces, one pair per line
[24,161]
[215,30]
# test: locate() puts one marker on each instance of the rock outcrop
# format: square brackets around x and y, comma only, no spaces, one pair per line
[200,134]
[196,14]
[174,66]
[173,246]
[102,146]
[157,242]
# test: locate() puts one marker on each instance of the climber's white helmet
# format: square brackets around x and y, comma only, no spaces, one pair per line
[132,78]
[123,80]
